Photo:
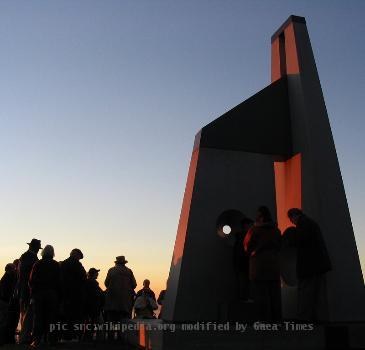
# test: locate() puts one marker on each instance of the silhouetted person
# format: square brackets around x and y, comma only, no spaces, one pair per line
[145,301]
[312,264]
[44,284]
[241,261]
[73,279]
[26,262]
[8,282]
[7,286]
[160,301]
[262,243]
[94,301]
[120,284]
[161,297]
[13,312]
[146,290]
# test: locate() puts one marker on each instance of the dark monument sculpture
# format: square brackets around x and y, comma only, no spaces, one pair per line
[277,149]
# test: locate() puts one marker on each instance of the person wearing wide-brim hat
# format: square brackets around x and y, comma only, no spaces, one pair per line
[44,282]
[26,262]
[121,260]
[120,284]
[35,244]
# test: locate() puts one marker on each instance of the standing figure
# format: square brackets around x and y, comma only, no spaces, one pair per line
[146,290]
[44,284]
[73,279]
[160,301]
[120,284]
[26,262]
[313,263]
[14,308]
[145,302]
[94,301]
[8,282]
[241,261]
[7,286]
[262,243]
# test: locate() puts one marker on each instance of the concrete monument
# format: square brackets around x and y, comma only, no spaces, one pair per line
[274,149]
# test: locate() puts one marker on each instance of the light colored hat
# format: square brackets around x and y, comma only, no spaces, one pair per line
[48,251]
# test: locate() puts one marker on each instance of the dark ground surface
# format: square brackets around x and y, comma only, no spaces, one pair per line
[115,345]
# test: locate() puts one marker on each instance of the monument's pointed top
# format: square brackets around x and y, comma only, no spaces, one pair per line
[291,19]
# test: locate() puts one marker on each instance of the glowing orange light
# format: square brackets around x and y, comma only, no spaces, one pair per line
[288,186]
[142,335]
[185,210]
[291,53]
[275,60]
[284,54]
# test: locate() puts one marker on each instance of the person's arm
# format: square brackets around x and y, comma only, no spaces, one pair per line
[57,278]
[290,236]
[34,278]
[83,275]
[247,240]
[278,238]
[3,287]
[107,280]
[133,281]
[250,241]
[306,229]
[20,269]
[161,297]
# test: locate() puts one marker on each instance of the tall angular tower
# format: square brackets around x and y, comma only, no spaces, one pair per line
[276,149]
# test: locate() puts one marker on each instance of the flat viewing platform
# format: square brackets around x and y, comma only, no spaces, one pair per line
[159,335]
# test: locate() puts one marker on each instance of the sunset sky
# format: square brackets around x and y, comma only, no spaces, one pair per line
[101,100]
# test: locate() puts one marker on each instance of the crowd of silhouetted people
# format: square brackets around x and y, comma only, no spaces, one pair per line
[59,301]
[54,301]
[256,260]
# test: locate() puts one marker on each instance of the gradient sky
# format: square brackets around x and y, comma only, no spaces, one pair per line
[100,102]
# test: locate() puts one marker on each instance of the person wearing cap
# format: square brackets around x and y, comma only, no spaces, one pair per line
[120,284]
[73,279]
[94,301]
[44,283]
[26,262]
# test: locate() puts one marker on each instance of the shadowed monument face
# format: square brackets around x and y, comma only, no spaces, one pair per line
[274,149]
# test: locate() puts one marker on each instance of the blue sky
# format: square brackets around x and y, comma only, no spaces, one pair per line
[100,102]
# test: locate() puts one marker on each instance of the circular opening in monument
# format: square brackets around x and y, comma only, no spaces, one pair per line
[227,229]
[229,223]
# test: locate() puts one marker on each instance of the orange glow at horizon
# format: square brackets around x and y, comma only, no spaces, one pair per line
[288,187]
